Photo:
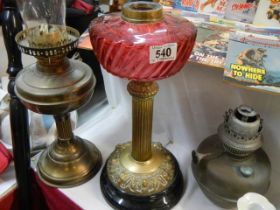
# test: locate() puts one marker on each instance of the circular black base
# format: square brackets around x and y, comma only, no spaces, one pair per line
[121,200]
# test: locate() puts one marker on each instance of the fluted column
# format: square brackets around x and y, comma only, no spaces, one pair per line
[142,118]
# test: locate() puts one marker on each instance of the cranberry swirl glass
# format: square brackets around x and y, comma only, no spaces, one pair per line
[123,44]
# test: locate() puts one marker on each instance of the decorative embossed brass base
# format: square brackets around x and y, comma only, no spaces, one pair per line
[141,178]
[142,175]
[56,85]
[127,187]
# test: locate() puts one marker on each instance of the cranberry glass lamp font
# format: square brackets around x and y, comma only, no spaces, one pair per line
[56,85]
[142,45]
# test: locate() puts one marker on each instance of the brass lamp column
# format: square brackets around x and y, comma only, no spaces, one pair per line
[142,114]
[142,44]
[142,174]
[142,168]
[56,85]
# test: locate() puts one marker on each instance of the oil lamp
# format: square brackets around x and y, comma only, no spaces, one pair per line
[231,163]
[142,45]
[56,85]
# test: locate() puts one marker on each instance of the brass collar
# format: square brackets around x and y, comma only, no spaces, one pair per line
[142,12]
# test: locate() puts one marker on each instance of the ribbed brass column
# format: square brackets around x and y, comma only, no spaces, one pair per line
[142,118]
[64,128]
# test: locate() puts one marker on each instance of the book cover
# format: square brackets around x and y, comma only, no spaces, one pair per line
[268,13]
[241,10]
[211,45]
[189,5]
[168,3]
[216,7]
[253,60]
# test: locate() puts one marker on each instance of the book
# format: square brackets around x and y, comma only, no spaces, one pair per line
[260,30]
[241,10]
[253,60]
[211,44]
[194,17]
[268,13]
[226,22]
[189,5]
[215,7]
[265,30]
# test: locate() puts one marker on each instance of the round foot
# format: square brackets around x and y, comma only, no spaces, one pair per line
[131,185]
[69,163]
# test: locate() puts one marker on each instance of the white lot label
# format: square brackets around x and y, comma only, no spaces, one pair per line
[167,52]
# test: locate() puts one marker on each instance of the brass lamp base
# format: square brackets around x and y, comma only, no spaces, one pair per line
[56,85]
[128,184]
[142,175]
[69,163]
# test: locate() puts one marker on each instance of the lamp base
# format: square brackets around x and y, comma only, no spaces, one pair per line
[69,163]
[128,184]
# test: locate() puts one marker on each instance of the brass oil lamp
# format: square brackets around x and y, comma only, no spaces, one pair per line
[142,45]
[231,163]
[56,85]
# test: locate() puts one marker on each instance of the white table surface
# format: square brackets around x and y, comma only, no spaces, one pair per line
[188,108]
